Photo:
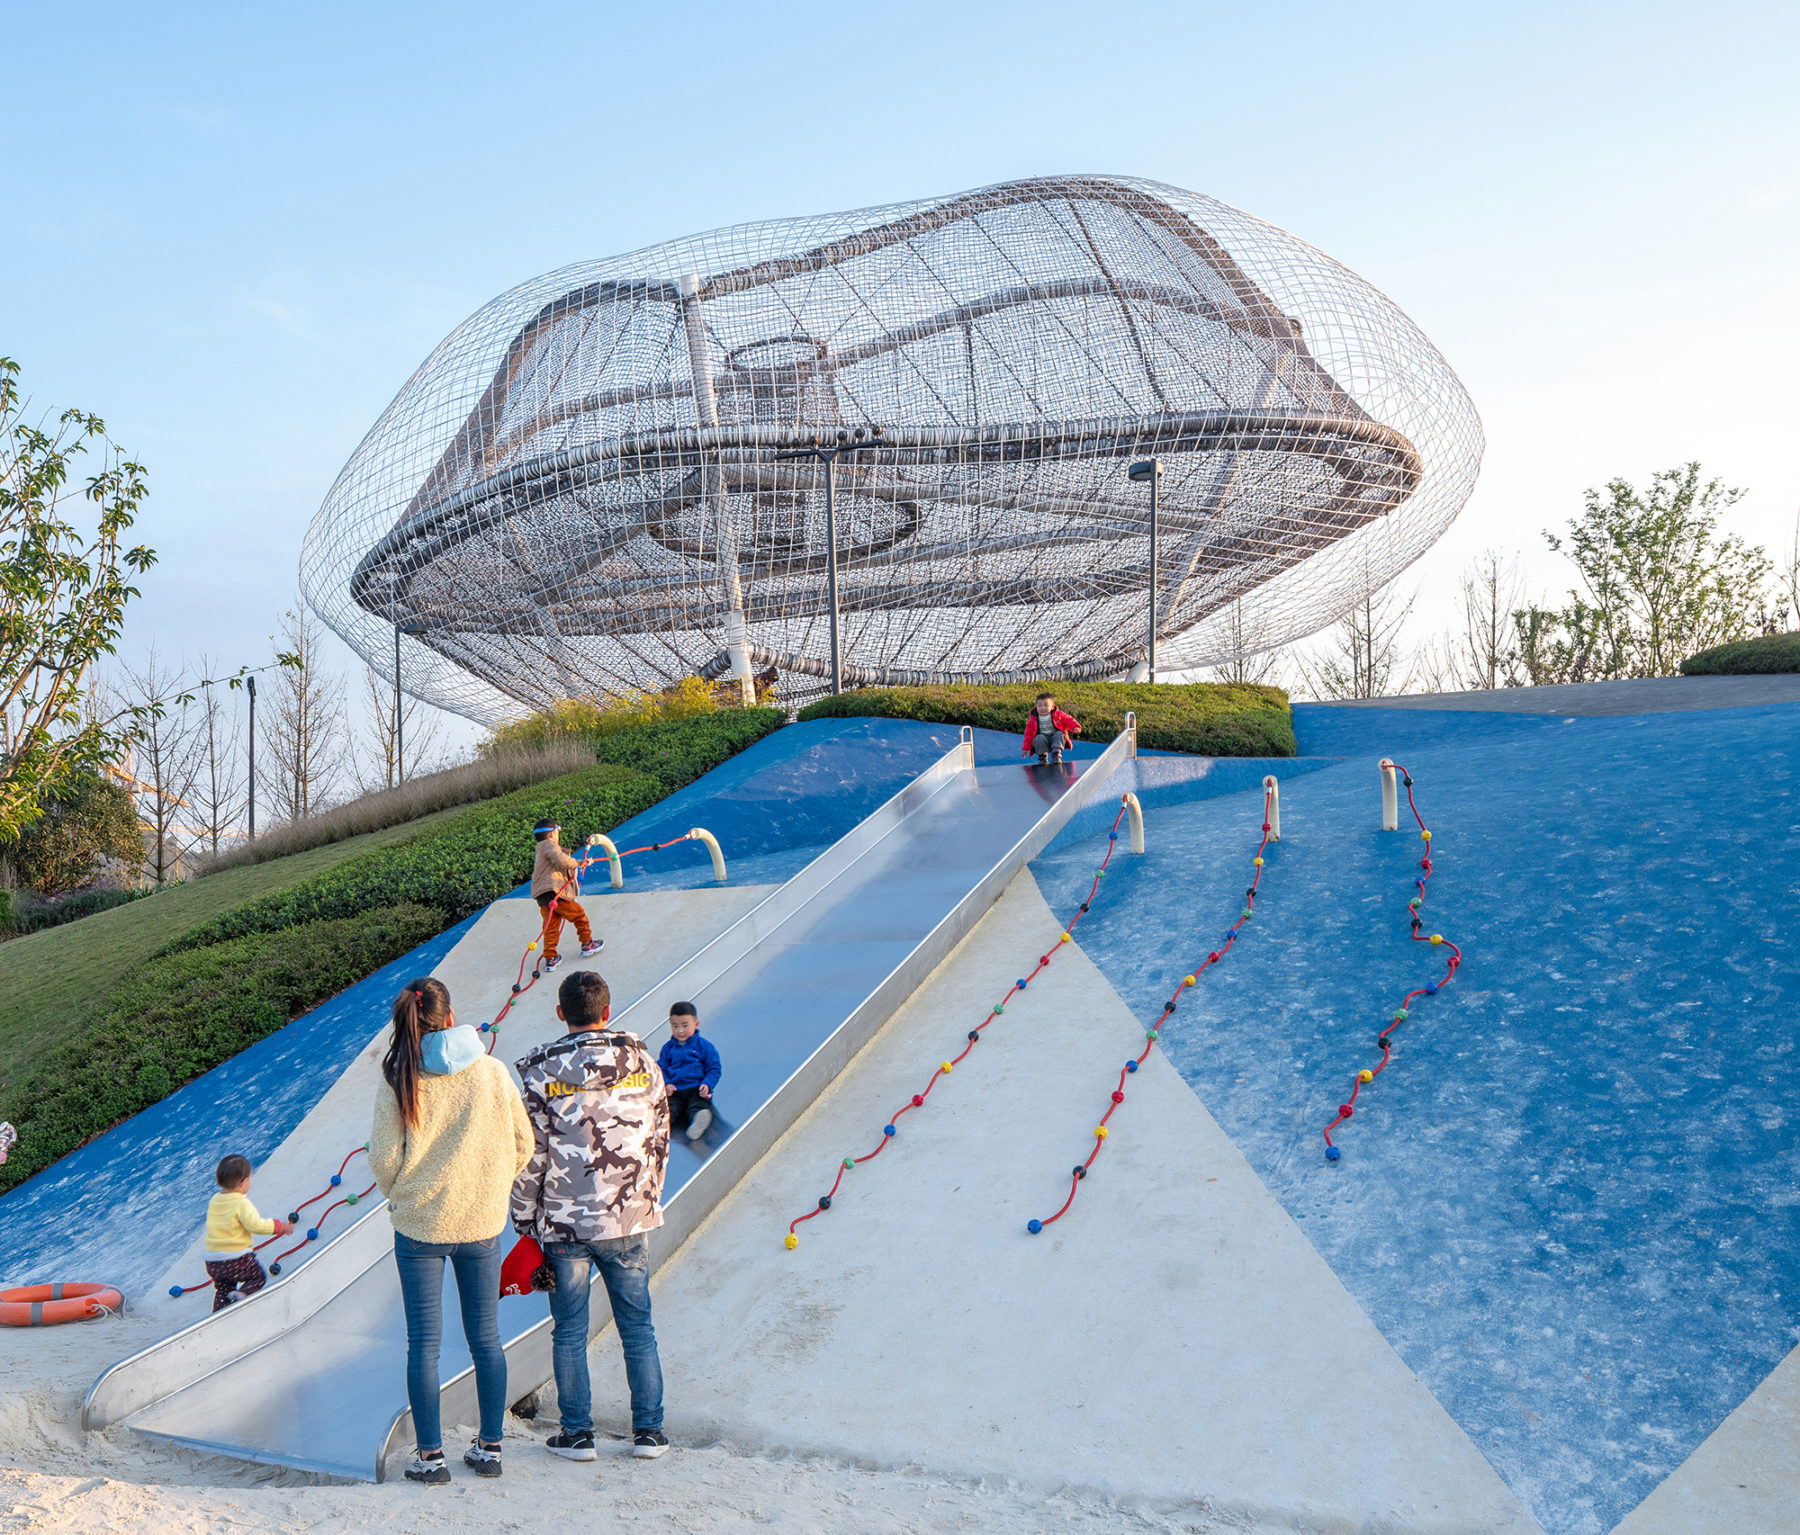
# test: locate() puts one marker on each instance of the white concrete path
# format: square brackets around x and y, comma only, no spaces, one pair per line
[1743,1478]
[1174,1339]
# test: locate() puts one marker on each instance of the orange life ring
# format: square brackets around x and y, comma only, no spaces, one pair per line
[38,1305]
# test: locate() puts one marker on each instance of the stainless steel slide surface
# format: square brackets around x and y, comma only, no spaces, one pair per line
[316,1377]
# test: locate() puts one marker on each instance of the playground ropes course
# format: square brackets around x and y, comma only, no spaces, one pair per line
[1415,910]
[1078,1174]
[891,1129]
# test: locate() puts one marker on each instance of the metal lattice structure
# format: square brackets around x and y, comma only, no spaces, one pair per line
[578,494]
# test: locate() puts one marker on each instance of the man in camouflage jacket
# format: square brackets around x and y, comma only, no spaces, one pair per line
[590,1195]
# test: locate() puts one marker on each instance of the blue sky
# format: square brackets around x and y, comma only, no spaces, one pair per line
[236,231]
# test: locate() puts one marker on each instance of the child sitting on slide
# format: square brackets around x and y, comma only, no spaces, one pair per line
[690,1067]
[232,1227]
[552,876]
[1049,730]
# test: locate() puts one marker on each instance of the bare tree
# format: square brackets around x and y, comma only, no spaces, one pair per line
[304,734]
[1364,653]
[1787,584]
[375,754]
[1485,655]
[217,797]
[165,761]
[1250,663]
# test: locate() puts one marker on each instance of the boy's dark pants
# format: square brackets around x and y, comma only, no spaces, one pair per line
[1051,741]
[684,1104]
[244,1273]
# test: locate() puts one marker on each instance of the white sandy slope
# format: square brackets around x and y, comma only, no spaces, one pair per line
[1173,1356]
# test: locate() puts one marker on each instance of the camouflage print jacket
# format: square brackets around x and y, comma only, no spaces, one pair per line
[601,1123]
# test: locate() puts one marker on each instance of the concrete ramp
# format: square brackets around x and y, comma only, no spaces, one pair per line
[311,1372]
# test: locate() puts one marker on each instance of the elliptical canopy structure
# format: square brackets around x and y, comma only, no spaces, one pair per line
[578,492]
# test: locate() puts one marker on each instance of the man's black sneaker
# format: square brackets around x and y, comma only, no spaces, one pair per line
[572,1446]
[648,1443]
[429,1469]
[482,1459]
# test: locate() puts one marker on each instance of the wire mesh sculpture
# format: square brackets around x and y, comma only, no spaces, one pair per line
[578,494]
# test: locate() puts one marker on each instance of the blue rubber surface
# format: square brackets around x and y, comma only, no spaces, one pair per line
[126,1205]
[1571,1204]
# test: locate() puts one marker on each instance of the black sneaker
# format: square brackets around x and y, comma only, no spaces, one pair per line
[482,1459]
[551,963]
[429,1469]
[648,1443]
[572,1446]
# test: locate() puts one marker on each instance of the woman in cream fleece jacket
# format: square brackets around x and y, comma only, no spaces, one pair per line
[450,1136]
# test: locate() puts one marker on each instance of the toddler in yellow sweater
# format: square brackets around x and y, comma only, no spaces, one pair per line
[232,1227]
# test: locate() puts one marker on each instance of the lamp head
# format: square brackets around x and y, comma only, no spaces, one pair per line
[1146,469]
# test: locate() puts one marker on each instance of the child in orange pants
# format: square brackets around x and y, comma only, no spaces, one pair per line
[554,873]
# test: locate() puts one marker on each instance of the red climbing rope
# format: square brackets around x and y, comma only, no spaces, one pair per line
[1080,1171]
[1430,989]
[890,1130]
[312,1232]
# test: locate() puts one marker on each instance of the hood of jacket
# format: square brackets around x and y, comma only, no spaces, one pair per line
[445,1052]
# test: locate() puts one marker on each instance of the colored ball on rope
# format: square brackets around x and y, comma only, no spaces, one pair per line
[1425,835]
[1265,825]
[1365,1075]
[352,1198]
[944,1066]
[1064,938]
[1431,988]
[336,1179]
[1399,1015]
[312,1233]
[1259,863]
[1034,1227]
[1099,1132]
[1020,983]
[515,991]
[483,1028]
[1332,1153]
[1043,959]
[1078,1172]
[275,1269]
[294,1217]
[1246,911]
[1382,1042]
[1149,1033]
[918,1100]
[1187,980]
[1425,864]
[1415,902]
[1118,1097]
[175,1290]
[999,1007]
[824,1201]
[531,948]
[1437,937]
[849,1162]
[889,1130]
[974,1035]
[1131,1065]
[790,1241]
[1346,1110]
[1212,959]
[1113,838]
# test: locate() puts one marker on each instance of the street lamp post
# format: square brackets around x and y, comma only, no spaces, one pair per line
[1150,469]
[847,443]
[250,683]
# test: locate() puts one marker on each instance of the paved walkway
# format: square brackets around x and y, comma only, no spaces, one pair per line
[1645,695]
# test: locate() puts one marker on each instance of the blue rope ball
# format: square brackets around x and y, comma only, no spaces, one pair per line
[312,1233]
[1332,1153]
[175,1290]
[336,1179]
[1034,1227]
[889,1130]
[1131,1065]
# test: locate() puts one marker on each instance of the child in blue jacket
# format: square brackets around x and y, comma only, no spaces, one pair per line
[690,1066]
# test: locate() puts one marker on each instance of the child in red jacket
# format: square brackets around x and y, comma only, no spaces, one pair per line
[1051,729]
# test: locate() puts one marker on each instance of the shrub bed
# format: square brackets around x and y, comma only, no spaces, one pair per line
[457,867]
[1207,718]
[22,913]
[1747,658]
[679,753]
[178,1017]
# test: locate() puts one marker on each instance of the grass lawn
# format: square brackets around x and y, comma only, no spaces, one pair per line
[51,985]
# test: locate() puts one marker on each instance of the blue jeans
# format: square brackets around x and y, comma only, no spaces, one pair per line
[477,1269]
[624,1264]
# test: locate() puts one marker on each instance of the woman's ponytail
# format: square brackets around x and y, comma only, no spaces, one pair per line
[421,1008]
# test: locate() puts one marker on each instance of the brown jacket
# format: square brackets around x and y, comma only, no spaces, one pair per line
[553,870]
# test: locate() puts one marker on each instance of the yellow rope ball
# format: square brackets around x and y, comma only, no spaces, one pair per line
[791,1242]
[1437,937]
[531,948]
[1425,835]
[1365,1076]
[1065,938]
[1187,980]
[1259,863]
[945,1068]
[1099,1132]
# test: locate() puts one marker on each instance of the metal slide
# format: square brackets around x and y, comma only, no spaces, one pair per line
[311,1372]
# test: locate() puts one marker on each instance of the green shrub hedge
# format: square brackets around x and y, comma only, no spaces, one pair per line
[457,867]
[683,750]
[1747,658]
[178,1017]
[1206,718]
